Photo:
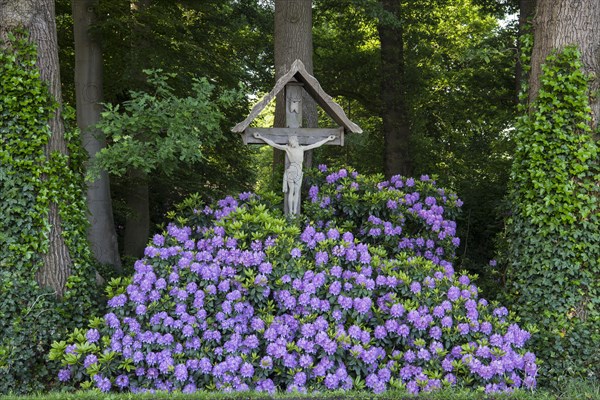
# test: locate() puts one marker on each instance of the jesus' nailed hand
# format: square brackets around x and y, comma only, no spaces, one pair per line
[292,177]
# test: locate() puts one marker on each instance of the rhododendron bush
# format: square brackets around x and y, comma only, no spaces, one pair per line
[359,293]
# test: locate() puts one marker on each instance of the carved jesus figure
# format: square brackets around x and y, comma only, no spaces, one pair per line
[292,177]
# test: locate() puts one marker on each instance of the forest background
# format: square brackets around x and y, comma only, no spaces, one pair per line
[458,83]
[434,85]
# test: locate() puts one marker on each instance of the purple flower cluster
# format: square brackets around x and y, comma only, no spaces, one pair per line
[409,216]
[316,308]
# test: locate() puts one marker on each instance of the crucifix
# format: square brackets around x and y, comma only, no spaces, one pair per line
[293,139]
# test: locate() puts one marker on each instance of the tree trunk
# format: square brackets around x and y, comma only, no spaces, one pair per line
[88,92]
[560,23]
[137,222]
[38,18]
[293,40]
[396,129]
[526,12]
[141,44]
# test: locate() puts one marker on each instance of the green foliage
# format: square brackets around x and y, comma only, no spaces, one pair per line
[553,238]
[158,130]
[31,317]
[190,210]
[225,41]
[29,323]
[177,140]
[460,91]
[463,107]
[346,59]
[24,107]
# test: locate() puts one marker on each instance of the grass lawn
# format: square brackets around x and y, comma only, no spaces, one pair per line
[576,390]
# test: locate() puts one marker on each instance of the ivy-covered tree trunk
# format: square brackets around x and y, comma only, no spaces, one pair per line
[553,237]
[88,92]
[38,19]
[293,40]
[396,128]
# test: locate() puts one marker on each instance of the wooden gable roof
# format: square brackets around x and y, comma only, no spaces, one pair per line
[312,86]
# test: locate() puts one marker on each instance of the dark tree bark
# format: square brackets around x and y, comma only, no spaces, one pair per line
[88,93]
[526,12]
[396,128]
[293,40]
[137,222]
[560,23]
[38,18]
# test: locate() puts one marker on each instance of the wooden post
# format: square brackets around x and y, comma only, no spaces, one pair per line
[293,105]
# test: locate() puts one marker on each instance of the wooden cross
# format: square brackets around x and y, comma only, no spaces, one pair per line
[293,138]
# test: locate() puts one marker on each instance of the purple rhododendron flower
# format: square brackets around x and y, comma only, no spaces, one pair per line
[92,335]
[117,301]
[247,370]
[415,287]
[122,381]
[102,383]
[64,375]
[90,360]
[321,258]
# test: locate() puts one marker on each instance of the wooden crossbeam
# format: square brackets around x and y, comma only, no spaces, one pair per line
[305,136]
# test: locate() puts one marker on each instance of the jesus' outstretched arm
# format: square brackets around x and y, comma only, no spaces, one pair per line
[320,143]
[269,141]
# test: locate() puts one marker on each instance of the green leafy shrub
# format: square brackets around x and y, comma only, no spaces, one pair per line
[553,234]
[31,317]
[160,131]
